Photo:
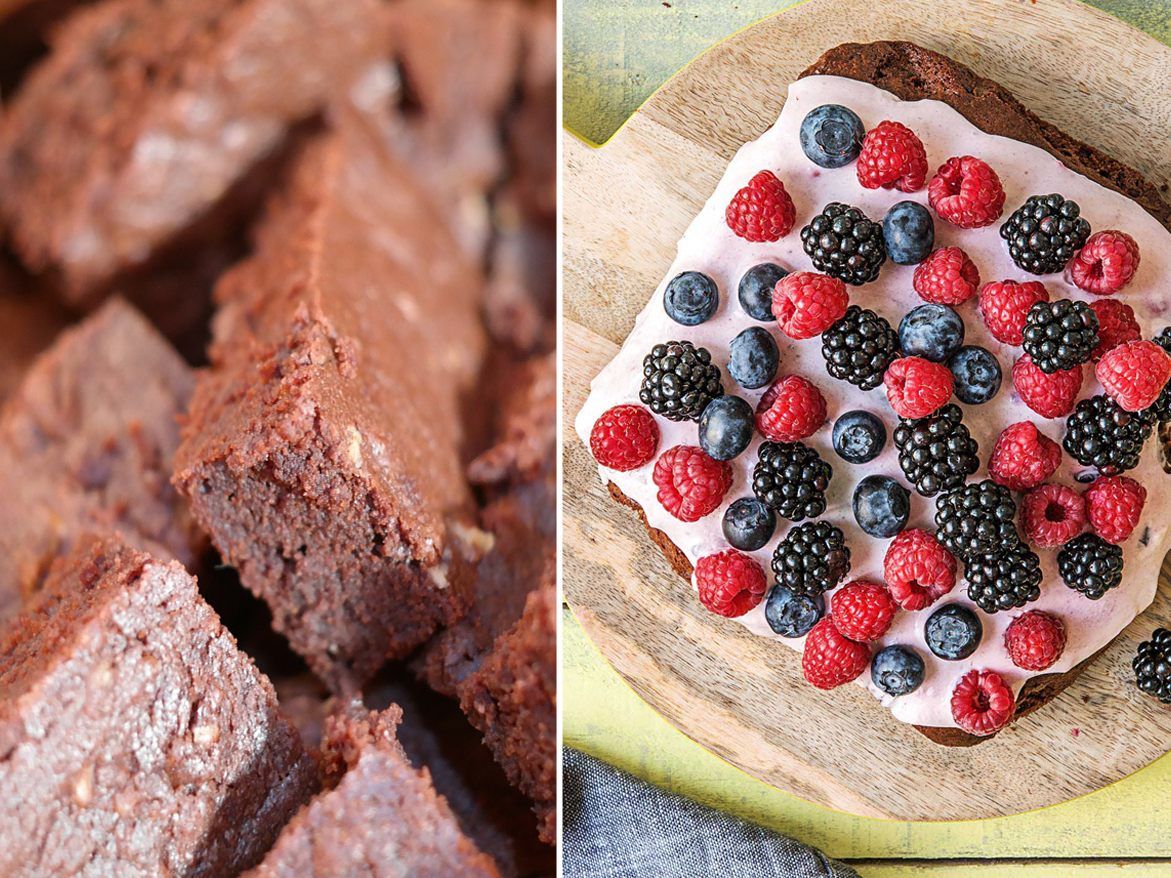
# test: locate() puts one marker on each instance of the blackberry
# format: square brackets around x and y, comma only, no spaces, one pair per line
[976,519]
[1060,335]
[791,479]
[1102,434]
[812,558]
[1090,565]
[859,347]
[844,243]
[1044,233]
[1006,581]
[1161,408]
[679,380]
[1152,665]
[936,453]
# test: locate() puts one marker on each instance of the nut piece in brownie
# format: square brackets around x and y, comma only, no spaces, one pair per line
[322,447]
[86,445]
[147,112]
[381,819]
[136,740]
[29,323]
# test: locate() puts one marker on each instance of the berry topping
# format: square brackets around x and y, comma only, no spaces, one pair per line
[761,211]
[1090,565]
[679,380]
[881,506]
[897,670]
[1060,335]
[1161,409]
[749,524]
[691,484]
[916,387]
[691,298]
[725,427]
[909,233]
[982,703]
[1116,324]
[844,243]
[976,519]
[858,437]
[967,193]
[753,358]
[756,289]
[947,277]
[859,347]
[1100,433]
[812,558]
[1106,264]
[831,136]
[1152,665]
[1004,306]
[977,374]
[936,453]
[1005,580]
[862,610]
[791,410]
[953,632]
[831,659]
[917,569]
[1134,373]
[729,582]
[933,332]
[1052,515]
[1035,640]
[892,156]
[1114,505]
[625,437]
[806,304]
[1050,396]
[1044,233]
[790,614]
[1023,457]
[791,479]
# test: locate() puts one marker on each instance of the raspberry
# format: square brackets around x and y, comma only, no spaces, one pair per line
[892,157]
[1052,515]
[1023,457]
[1134,374]
[1114,504]
[1005,305]
[1116,324]
[1035,640]
[862,611]
[830,658]
[967,193]
[916,387]
[1050,396]
[917,569]
[624,438]
[982,703]
[730,583]
[791,410]
[761,211]
[691,484]
[807,304]
[1106,264]
[946,277]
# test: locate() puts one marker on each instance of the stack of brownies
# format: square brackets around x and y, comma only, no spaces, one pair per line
[277,427]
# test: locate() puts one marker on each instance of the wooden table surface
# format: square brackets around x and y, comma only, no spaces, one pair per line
[616,53]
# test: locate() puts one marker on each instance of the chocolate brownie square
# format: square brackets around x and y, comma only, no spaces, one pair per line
[136,740]
[86,444]
[382,819]
[29,321]
[322,448]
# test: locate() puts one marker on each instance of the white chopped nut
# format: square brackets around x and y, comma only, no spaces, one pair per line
[354,446]
[480,541]
[206,734]
[438,575]
[83,786]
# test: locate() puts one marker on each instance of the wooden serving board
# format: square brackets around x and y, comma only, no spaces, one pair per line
[626,205]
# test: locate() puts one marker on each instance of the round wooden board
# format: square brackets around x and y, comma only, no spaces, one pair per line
[626,206]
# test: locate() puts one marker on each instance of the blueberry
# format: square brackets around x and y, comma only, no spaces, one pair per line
[790,614]
[858,437]
[725,427]
[933,332]
[881,506]
[953,632]
[754,358]
[749,524]
[977,374]
[909,232]
[831,136]
[691,298]
[897,670]
[756,289]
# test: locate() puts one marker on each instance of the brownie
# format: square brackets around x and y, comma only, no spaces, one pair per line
[146,113]
[382,818]
[135,738]
[532,140]
[30,322]
[322,447]
[86,444]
